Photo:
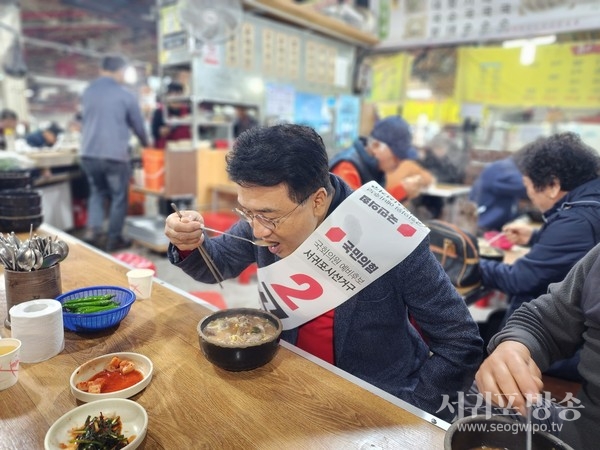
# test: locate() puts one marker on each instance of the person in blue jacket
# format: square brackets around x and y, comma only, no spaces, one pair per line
[497,192]
[44,138]
[560,174]
[285,191]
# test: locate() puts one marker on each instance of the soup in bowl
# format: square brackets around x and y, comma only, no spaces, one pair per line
[239,339]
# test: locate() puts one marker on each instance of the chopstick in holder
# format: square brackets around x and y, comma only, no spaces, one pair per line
[205,256]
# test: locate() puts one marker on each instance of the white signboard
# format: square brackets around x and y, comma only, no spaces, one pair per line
[416,23]
[367,235]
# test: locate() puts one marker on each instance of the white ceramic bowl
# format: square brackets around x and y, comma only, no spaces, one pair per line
[90,368]
[133,417]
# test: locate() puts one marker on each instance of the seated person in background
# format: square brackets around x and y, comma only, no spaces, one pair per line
[44,138]
[406,169]
[560,173]
[163,132]
[8,123]
[442,158]
[371,158]
[549,328]
[284,196]
[243,121]
[497,192]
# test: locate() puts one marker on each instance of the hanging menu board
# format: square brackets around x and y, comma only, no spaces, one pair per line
[388,77]
[563,75]
[426,23]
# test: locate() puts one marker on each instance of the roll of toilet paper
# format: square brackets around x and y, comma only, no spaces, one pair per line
[38,324]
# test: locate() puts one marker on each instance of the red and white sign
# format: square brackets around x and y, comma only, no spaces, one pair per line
[367,235]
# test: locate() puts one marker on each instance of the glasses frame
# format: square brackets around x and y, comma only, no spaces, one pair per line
[268,223]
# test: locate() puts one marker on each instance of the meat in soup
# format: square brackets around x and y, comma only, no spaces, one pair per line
[240,330]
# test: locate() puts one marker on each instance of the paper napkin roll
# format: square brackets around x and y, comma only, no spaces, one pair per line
[38,324]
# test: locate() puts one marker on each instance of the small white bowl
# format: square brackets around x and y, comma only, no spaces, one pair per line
[133,417]
[90,368]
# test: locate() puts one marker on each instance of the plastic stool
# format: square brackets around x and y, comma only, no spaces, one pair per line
[212,297]
[221,221]
[135,261]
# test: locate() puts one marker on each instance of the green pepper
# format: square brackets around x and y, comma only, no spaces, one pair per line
[89,298]
[75,308]
[94,309]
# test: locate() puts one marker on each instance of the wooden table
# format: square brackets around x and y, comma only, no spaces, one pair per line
[294,402]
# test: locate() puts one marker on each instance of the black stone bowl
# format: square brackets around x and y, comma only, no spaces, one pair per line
[497,432]
[493,253]
[20,198]
[238,358]
[20,224]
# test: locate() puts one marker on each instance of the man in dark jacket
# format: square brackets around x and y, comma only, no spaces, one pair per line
[547,329]
[163,132]
[286,191]
[560,174]
[44,138]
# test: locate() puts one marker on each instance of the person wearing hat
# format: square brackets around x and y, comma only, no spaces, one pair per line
[109,112]
[44,138]
[370,158]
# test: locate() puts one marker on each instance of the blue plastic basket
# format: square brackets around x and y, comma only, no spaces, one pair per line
[100,320]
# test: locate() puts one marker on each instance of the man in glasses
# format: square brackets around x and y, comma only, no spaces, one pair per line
[371,158]
[285,191]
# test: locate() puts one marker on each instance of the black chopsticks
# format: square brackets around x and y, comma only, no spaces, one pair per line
[207,259]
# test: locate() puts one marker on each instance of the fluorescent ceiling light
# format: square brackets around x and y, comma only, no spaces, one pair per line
[419,94]
[540,40]
[527,56]
[130,75]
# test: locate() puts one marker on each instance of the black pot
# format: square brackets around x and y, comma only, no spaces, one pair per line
[18,211]
[495,254]
[13,179]
[235,358]
[497,432]
[20,224]
[20,198]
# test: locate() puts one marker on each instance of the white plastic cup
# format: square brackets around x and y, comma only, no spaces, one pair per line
[10,349]
[140,282]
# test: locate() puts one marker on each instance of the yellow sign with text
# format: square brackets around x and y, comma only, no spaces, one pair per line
[562,75]
[388,77]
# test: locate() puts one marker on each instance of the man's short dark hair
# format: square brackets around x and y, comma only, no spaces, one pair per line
[174,88]
[113,63]
[291,154]
[8,114]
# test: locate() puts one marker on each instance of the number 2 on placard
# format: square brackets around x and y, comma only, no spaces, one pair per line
[312,291]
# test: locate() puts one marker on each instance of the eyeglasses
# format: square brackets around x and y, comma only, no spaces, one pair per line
[266,222]
[376,143]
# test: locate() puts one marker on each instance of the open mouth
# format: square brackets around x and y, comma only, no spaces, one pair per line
[274,247]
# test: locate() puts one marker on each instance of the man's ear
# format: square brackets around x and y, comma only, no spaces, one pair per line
[319,199]
[554,189]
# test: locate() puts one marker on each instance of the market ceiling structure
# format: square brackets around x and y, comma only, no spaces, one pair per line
[63,37]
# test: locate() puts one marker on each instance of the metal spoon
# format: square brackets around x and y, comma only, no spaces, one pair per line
[25,258]
[5,257]
[258,242]
[50,260]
